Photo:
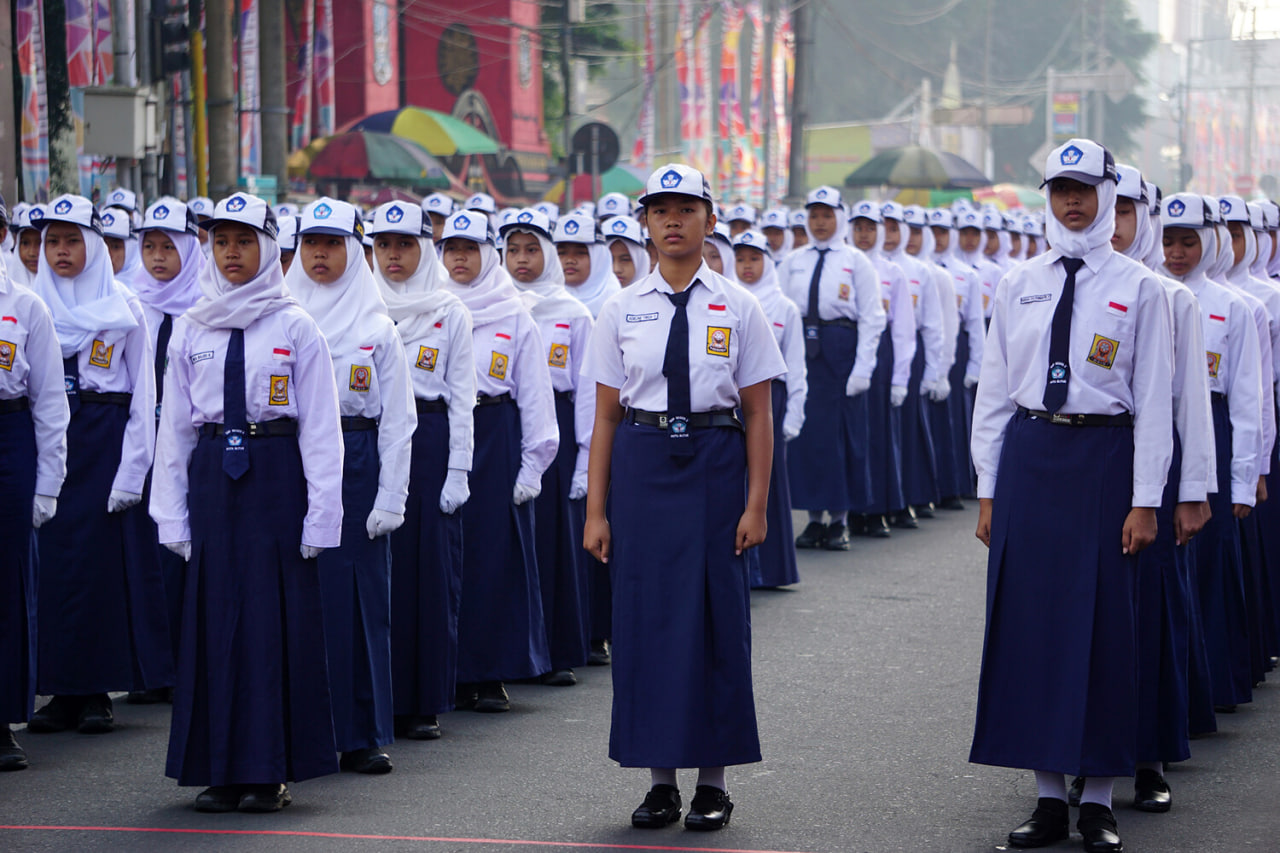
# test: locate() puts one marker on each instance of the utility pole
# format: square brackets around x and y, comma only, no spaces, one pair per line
[9,166]
[224,141]
[798,183]
[199,116]
[146,43]
[275,114]
[125,75]
[766,106]
[566,76]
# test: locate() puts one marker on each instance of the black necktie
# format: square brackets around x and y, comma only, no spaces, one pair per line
[162,351]
[812,322]
[71,370]
[675,366]
[235,455]
[1055,389]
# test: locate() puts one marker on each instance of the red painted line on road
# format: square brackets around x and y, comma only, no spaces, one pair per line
[589,845]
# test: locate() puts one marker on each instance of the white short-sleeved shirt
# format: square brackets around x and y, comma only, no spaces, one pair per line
[441,368]
[731,343]
[31,367]
[847,289]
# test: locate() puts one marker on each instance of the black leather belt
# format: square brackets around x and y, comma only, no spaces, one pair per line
[259,429]
[353,423]
[436,405]
[564,395]
[697,420]
[1124,419]
[842,322]
[115,398]
[496,400]
[17,404]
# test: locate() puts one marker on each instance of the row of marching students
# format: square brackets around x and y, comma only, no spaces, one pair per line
[1123,436]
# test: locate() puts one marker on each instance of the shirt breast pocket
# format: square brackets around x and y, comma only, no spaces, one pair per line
[558,351]
[1109,341]
[13,362]
[273,394]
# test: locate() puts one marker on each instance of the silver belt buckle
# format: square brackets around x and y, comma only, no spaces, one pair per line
[662,421]
[1066,420]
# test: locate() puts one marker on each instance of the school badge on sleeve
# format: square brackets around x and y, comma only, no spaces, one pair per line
[498,365]
[718,341]
[100,354]
[1103,351]
[1215,359]
[7,352]
[279,391]
[427,358]
[360,377]
[559,355]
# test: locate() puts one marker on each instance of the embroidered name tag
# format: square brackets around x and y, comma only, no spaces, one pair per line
[642,318]
[1033,298]
[197,357]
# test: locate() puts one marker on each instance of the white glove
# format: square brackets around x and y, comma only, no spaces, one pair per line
[43,509]
[528,486]
[970,380]
[856,385]
[310,552]
[119,501]
[182,549]
[455,491]
[789,428]
[381,522]
[897,395]
[940,390]
[578,488]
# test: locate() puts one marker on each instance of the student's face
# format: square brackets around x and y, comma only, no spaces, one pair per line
[749,263]
[323,257]
[368,256]
[160,256]
[1015,242]
[993,243]
[1074,204]
[970,239]
[64,249]
[1126,225]
[286,260]
[800,237]
[1182,250]
[29,248]
[941,238]
[711,255]
[623,267]
[576,260]
[235,252]
[117,251]
[437,223]
[397,255]
[777,238]
[892,235]
[524,257]
[864,234]
[822,222]
[678,225]
[462,259]
[1238,245]
[915,240]
[737,226]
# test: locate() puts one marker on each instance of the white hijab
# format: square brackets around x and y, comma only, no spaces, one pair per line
[417,303]
[236,306]
[1077,244]
[842,232]
[768,290]
[601,284]
[639,257]
[1155,256]
[1208,257]
[546,296]
[183,290]
[1143,236]
[1225,257]
[1262,254]
[347,311]
[490,296]
[89,305]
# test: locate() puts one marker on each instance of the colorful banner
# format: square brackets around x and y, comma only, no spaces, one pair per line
[701,156]
[104,61]
[783,66]
[642,153]
[250,91]
[34,134]
[736,162]
[178,85]
[684,81]
[756,194]
[80,35]
[324,80]
[300,131]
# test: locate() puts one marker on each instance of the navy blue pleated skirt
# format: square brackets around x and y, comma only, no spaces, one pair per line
[173,569]
[828,462]
[1254,558]
[919,464]
[774,562]
[18,567]
[426,581]
[1163,650]
[501,632]
[1058,689]
[103,615]
[1220,581]
[355,589]
[252,700]
[884,448]
[682,694]
[1269,525]
[960,405]
[562,562]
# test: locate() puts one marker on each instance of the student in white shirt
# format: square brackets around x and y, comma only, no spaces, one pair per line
[1072,439]
[248,488]
[673,356]
[625,239]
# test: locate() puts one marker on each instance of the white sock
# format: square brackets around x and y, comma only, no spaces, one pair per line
[815,516]
[841,518]
[1098,790]
[663,776]
[713,776]
[1155,766]
[1052,785]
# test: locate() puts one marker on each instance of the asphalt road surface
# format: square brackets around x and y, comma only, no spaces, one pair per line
[865,677]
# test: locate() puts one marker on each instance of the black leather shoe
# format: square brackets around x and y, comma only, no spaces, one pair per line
[370,760]
[60,714]
[96,717]
[924,510]
[709,810]
[219,798]
[952,502]
[837,540]
[12,756]
[492,698]
[1097,826]
[599,653]
[905,520]
[1075,792]
[264,798]
[857,524]
[560,678]
[465,697]
[1151,792]
[1048,824]
[813,535]
[661,807]
[422,728]
[878,527]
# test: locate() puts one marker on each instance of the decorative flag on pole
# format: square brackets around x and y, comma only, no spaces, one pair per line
[324,81]
[730,43]
[34,134]
[300,132]
[756,194]
[104,61]
[642,153]
[684,45]
[701,156]
[250,91]
[783,63]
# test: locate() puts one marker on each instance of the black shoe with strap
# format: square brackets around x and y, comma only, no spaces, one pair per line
[219,798]
[709,810]
[1097,825]
[58,715]
[96,717]
[1048,824]
[878,527]
[372,760]
[264,798]
[905,520]
[813,535]
[422,728]
[599,653]
[661,807]
[12,756]
[492,698]
[1151,792]
[837,539]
